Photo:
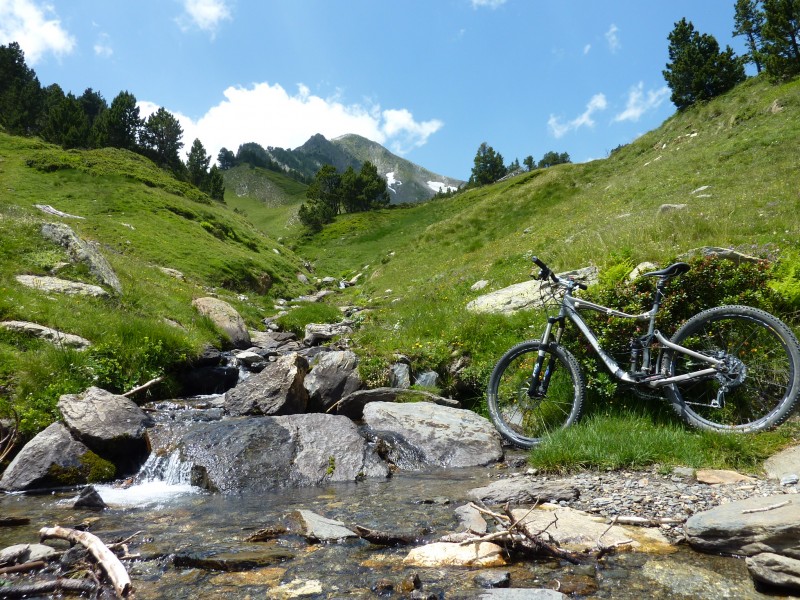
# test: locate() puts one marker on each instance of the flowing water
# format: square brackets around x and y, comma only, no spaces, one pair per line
[175,525]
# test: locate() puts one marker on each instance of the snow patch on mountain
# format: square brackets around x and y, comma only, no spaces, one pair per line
[439,186]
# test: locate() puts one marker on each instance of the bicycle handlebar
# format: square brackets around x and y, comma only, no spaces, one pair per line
[546,273]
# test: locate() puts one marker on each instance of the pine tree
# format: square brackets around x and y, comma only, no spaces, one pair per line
[488,166]
[781,36]
[749,21]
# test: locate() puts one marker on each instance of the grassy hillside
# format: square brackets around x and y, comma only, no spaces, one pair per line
[268,199]
[731,163]
[142,220]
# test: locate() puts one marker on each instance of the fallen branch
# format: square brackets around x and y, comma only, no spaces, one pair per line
[105,557]
[748,511]
[8,441]
[28,566]
[645,522]
[143,387]
[48,587]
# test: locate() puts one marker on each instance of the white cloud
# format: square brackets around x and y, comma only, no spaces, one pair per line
[204,14]
[102,47]
[640,103]
[35,27]
[487,3]
[586,49]
[270,116]
[612,38]
[558,129]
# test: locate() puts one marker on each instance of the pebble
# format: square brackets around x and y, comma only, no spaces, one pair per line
[657,496]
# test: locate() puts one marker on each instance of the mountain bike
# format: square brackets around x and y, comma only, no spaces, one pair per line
[730,368]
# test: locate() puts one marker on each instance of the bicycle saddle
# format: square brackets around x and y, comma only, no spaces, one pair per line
[675,269]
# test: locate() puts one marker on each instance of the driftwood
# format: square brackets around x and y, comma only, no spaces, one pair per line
[22,568]
[81,586]
[143,387]
[14,521]
[748,511]
[8,441]
[106,558]
[382,538]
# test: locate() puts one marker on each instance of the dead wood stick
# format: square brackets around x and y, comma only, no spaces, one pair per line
[46,587]
[645,522]
[105,557]
[122,543]
[28,566]
[486,511]
[144,386]
[747,511]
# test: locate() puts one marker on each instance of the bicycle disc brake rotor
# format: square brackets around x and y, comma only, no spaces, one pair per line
[732,371]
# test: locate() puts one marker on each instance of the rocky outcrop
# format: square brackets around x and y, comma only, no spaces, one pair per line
[265,453]
[353,404]
[113,426]
[58,338]
[432,430]
[276,390]
[82,251]
[226,318]
[52,459]
[55,285]
[525,295]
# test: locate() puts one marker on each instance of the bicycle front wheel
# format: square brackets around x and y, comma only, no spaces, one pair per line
[757,385]
[523,410]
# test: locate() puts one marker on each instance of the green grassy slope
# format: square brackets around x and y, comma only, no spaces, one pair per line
[732,163]
[142,220]
[268,199]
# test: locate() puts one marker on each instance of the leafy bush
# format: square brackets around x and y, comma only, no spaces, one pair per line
[710,282]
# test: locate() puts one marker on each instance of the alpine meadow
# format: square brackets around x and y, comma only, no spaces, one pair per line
[721,173]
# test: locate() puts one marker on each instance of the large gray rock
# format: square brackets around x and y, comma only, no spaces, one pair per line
[51,459]
[54,285]
[226,318]
[58,338]
[525,295]
[82,251]
[113,426]
[353,404]
[748,527]
[322,529]
[333,376]
[276,390]
[267,453]
[316,333]
[524,490]
[784,463]
[442,436]
[775,569]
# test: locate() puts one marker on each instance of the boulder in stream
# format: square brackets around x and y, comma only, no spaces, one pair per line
[276,390]
[111,425]
[441,436]
[267,453]
[53,459]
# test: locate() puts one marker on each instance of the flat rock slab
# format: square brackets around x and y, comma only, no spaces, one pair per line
[524,490]
[720,476]
[322,529]
[578,531]
[55,285]
[442,436]
[58,338]
[786,462]
[445,554]
[748,527]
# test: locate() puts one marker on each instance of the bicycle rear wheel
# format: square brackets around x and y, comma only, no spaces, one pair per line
[759,385]
[524,411]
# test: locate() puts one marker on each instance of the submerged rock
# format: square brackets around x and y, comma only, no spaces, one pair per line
[445,554]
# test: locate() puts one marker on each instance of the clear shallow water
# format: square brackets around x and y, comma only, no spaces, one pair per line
[185,521]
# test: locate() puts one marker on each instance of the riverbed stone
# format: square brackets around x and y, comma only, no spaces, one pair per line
[579,531]
[259,454]
[445,554]
[277,390]
[524,489]
[784,463]
[113,426]
[748,527]
[774,569]
[333,376]
[720,476]
[520,594]
[226,318]
[443,436]
[316,333]
[51,459]
[322,529]
[232,561]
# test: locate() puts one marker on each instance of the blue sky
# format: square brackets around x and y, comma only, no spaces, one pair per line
[429,79]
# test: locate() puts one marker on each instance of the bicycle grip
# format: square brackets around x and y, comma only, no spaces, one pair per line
[539,263]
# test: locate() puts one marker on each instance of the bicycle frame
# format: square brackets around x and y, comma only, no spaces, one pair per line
[570,306]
